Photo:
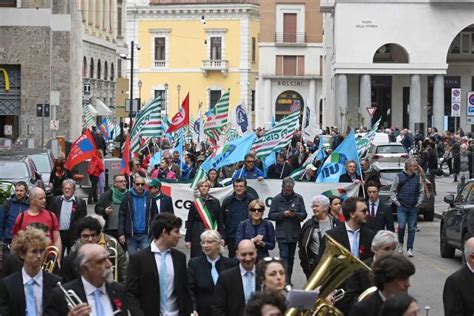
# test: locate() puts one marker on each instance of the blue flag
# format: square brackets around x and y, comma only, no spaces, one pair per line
[334,166]
[229,153]
[269,160]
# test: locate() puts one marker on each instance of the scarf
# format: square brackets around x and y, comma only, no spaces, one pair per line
[117,196]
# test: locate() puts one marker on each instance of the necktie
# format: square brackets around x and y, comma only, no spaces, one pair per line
[248,285]
[355,243]
[163,282]
[30,298]
[99,310]
[372,211]
[214,273]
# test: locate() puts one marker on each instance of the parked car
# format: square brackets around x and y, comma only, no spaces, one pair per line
[388,172]
[44,162]
[387,152]
[457,222]
[14,168]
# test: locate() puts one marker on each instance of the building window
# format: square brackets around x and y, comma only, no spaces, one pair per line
[214,96]
[119,17]
[99,70]
[162,94]
[119,64]
[106,71]
[254,49]
[252,100]
[91,70]
[216,48]
[112,73]
[160,51]
[289,27]
[84,67]
[8,3]
[289,65]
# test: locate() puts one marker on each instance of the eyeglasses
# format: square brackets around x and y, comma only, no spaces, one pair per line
[250,161]
[119,181]
[140,184]
[272,259]
[257,210]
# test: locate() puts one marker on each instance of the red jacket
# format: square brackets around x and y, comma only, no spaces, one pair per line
[96,167]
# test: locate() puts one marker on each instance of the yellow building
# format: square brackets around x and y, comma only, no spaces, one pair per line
[196,47]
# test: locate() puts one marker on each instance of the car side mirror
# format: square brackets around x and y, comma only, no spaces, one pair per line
[449,199]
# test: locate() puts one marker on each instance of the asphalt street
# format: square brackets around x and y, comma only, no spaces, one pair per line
[431,270]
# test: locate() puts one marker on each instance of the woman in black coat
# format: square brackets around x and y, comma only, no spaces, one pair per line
[197,221]
[201,279]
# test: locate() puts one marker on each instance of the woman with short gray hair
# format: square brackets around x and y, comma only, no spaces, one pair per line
[312,233]
[384,244]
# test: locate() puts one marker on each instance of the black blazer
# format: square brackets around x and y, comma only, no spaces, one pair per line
[12,293]
[229,299]
[166,205]
[368,307]
[457,293]
[339,234]
[143,285]
[79,210]
[383,218]
[11,264]
[69,267]
[57,305]
[201,285]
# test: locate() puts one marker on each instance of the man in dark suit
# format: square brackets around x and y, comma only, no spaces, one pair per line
[157,281]
[30,245]
[391,276]
[163,202]
[68,209]
[98,297]
[204,271]
[380,214]
[236,285]
[458,289]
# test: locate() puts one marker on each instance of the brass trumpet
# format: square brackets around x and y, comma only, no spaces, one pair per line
[112,249]
[71,297]
[50,259]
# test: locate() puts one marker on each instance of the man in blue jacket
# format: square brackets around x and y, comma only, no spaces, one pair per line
[10,210]
[288,211]
[249,170]
[135,215]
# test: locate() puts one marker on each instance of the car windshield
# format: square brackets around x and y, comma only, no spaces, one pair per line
[42,162]
[391,149]
[13,170]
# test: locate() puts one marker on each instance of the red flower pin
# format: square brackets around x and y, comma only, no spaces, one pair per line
[361,250]
[118,303]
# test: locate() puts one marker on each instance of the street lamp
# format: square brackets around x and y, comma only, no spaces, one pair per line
[166,98]
[140,85]
[179,89]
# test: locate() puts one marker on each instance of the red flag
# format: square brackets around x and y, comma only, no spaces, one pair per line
[82,149]
[180,119]
[125,163]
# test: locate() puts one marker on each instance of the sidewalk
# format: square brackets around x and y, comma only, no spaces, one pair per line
[444,186]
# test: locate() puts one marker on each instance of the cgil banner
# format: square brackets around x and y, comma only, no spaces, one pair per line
[183,196]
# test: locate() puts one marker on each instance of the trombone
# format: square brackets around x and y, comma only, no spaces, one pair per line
[71,297]
[112,250]
[51,258]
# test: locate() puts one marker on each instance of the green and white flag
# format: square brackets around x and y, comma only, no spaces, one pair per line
[364,143]
[147,123]
[278,137]
[88,119]
[217,120]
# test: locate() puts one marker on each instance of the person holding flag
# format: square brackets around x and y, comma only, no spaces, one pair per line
[204,214]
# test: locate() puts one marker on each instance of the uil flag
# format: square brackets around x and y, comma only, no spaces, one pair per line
[82,149]
[334,165]
[125,163]
[180,119]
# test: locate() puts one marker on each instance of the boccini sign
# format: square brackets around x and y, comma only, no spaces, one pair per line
[6,79]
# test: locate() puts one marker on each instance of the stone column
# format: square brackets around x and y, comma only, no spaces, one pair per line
[267,104]
[415,102]
[341,102]
[365,100]
[438,102]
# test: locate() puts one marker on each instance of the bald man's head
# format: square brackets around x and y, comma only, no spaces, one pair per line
[469,252]
[247,254]
[37,199]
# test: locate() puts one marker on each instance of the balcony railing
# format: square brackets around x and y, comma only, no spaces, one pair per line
[160,63]
[290,38]
[215,65]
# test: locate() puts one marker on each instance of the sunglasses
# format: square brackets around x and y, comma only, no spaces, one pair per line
[272,259]
[250,161]
[140,184]
[257,210]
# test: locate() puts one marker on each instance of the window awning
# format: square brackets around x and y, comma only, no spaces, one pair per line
[100,107]
[92,109]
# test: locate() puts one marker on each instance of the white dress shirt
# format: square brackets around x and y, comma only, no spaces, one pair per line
[104,298]
[37,288]
[172,306]
[243,277]
[66,212]
[350,235]
[376,207]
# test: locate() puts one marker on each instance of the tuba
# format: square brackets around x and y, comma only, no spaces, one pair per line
[111,247]
[50,259]
[336,265]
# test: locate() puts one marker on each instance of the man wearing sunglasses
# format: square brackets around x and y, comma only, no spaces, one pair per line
[249,169]
[135,215]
